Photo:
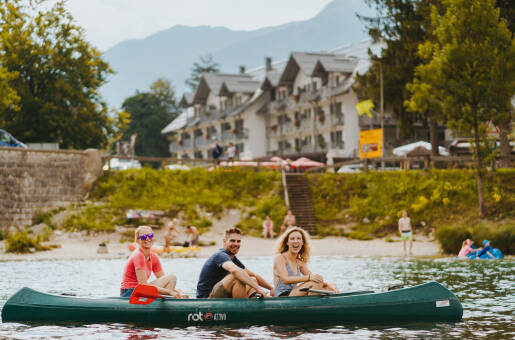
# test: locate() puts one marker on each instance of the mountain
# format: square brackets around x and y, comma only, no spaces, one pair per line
[171,53]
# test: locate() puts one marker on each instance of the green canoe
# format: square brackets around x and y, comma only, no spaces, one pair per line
[427,302]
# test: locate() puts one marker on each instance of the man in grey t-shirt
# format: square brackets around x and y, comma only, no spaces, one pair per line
[224,276]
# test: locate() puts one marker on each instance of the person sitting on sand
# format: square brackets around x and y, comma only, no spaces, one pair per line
[224,276]
[291,272]
[193,236]
[289,221]
[487,248]
[268,228]
[466,248]
[406,231]
[140,265]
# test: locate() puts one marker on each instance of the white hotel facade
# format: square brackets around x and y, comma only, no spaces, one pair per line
[303,106]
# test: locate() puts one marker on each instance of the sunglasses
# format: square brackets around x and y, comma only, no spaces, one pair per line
[144,237]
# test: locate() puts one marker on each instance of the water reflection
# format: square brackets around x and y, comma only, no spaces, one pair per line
[485,288]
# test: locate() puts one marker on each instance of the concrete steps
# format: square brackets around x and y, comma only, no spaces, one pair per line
[299,197]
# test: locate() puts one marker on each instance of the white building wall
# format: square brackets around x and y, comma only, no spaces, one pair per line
[300,81]
[351,124]
[256,125]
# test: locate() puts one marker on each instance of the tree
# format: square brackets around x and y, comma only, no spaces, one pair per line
[470,71]
[206,64]
[58,74]
[150,112]
[402,25]
[8,96]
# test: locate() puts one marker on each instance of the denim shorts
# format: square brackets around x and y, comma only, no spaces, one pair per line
[126,292]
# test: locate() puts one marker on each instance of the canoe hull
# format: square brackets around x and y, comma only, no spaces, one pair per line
[429,302]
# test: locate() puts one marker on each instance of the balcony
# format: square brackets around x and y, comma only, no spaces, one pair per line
[201,141]
[337,119]
[242,134]
[227,135]
[311,96]
[282,104]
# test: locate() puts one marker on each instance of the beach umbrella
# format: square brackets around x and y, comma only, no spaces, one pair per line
[306,163]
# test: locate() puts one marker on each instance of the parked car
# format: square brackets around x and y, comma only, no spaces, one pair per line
[350,168]
[177,167]
[6,139]
[122,164]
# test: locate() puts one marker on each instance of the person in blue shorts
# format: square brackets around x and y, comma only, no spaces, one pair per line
[224,276]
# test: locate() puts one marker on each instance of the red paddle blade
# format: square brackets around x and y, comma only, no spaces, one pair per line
[144,295]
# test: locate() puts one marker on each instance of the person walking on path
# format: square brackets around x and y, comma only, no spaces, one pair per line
[142,263]
[289,221]
[406,231]
[224,276]
[231,153]
[217,152]
[291,272]
[268,228]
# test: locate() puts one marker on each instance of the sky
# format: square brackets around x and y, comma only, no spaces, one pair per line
[108,22]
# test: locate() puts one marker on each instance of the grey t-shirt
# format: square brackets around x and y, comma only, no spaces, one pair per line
[212,272]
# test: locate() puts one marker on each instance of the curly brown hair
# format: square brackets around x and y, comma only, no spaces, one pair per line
[304,252]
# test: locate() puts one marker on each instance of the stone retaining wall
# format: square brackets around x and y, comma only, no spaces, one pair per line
[34,180]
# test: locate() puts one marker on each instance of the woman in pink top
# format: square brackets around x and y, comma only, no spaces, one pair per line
[466,248]
[142,263]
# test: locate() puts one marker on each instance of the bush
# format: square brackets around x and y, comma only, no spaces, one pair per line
[452,237]
[21,242]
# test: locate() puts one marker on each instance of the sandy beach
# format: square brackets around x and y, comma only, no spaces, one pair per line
[80,245]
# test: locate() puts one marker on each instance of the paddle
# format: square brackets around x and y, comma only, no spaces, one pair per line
[328,292]
[144,295]
[318,291]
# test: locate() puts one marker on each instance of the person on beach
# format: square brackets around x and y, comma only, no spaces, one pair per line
[289,221]
[193,236]
[231,153]
[224,276]
[142,263]
[466,248]
[406,231]
[217,153]
[291,272]
[170,232]
[268,228]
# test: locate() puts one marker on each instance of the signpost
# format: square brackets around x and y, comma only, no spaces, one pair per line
[371,144]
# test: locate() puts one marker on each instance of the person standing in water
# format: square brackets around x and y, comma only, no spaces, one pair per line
[406,231]
[289,221]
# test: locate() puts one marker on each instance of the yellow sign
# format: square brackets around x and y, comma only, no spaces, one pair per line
[371,143]
[364,107]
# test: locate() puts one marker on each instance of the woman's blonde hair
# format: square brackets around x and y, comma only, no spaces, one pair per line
[282,245]
[140,228]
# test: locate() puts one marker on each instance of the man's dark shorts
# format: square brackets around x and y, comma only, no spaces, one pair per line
[219,292]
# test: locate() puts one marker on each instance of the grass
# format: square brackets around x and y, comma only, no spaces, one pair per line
[436,199]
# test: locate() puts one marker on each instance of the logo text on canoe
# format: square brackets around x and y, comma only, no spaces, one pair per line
[199,316]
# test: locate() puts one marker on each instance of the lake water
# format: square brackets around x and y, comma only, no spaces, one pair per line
[485,288]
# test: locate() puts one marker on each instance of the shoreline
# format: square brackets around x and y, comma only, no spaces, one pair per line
[74,246]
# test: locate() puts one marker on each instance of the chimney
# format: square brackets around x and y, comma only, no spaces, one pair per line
[268,64]
[242,69]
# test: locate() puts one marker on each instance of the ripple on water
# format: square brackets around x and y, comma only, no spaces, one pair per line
[486,289]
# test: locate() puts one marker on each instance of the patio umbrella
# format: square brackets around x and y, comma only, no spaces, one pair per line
[306,163]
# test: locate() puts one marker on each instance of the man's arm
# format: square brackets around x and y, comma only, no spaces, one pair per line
[242,276]
[262,282]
